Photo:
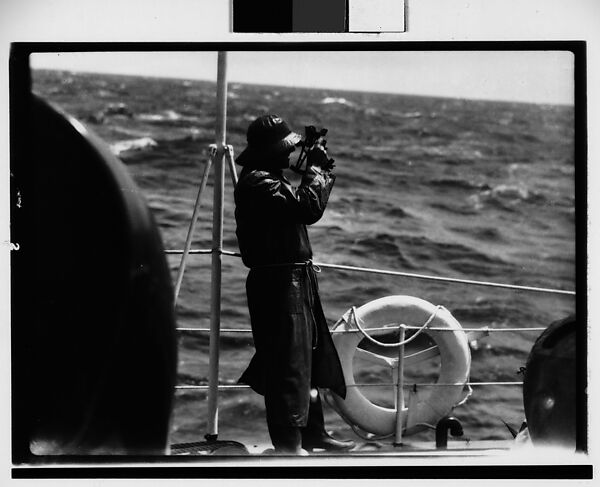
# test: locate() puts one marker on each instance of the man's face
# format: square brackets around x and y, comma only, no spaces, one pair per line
[283,160]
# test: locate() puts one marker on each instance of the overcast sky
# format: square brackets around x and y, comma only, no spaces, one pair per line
[528,76]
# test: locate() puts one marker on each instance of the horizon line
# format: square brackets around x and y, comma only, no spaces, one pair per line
[350,90]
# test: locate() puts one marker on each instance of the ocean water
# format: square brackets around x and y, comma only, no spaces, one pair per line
[447,187]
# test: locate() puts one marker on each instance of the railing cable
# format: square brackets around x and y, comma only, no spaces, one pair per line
[405,274]
[383,328]
[379,384]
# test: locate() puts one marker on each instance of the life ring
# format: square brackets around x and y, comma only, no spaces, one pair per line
[357,410]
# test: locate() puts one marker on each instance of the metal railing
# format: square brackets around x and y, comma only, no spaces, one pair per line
[398,363]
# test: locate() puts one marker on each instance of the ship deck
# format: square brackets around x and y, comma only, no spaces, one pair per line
[409,449]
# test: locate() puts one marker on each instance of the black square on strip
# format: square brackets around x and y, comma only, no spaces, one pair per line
[262,15]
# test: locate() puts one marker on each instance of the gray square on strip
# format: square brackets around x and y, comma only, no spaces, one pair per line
[376,15]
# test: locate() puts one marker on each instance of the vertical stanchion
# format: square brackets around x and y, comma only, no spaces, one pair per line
[400,387]
[189,238]
[217,247]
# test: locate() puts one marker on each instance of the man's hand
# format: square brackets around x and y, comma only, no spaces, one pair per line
[317,156]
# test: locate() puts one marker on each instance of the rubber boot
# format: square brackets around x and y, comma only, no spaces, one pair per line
[286,439]
[314,435]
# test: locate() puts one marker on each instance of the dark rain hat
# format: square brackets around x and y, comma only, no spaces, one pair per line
[267,136]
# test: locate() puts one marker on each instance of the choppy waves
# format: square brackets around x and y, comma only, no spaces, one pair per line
[132,144]
[457,188]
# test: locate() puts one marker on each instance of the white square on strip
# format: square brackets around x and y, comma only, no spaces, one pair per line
[376,15]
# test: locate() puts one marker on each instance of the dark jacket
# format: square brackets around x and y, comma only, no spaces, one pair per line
[294,349]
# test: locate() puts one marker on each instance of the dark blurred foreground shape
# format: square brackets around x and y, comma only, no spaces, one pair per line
[93,333]
[549,387]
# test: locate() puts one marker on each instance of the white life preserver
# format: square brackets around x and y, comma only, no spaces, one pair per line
[455,364]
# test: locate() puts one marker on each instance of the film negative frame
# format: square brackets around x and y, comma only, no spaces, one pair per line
[19,81]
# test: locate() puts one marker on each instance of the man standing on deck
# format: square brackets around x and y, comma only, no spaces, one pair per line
[294,349]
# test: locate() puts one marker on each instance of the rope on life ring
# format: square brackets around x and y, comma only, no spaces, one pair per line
[361,413]
[357,321]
